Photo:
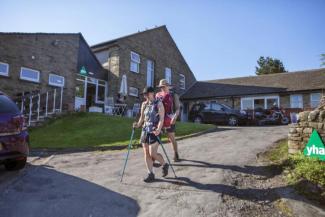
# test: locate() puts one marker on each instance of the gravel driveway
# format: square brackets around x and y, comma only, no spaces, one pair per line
[87,183]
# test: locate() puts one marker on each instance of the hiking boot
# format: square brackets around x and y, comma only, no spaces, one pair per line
[165,170]
[156,164]
[150,178]
[176,158]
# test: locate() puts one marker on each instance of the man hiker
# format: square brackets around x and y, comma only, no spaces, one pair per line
[151,120]
[172,109]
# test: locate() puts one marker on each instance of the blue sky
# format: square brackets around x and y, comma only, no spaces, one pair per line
[218,39]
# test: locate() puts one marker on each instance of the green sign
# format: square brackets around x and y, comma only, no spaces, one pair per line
[315,147]
[83,71]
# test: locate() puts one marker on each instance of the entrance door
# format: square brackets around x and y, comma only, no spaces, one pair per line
[91,95]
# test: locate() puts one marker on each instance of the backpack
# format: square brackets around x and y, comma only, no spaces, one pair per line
[169,113]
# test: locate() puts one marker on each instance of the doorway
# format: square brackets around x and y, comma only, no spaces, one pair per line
[91,95]
[89,92]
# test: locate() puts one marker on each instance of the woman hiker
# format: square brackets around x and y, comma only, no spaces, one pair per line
[151,120]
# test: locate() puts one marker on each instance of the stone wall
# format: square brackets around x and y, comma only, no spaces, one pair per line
[300,132]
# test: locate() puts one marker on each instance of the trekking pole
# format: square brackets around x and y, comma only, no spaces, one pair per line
[159,141]
[127,155]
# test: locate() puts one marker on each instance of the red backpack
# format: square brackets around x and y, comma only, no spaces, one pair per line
[167,100]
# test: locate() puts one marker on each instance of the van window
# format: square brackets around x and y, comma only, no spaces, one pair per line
[7,106]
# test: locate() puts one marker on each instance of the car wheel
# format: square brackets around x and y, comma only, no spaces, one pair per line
[232,121]
[14,164]
[198,120]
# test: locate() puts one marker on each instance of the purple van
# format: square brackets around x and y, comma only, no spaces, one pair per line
[14,139]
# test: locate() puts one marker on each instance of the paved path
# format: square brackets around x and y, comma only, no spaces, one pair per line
[87,184]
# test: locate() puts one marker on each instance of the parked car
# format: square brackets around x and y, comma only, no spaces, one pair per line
[14,138]
[216,113]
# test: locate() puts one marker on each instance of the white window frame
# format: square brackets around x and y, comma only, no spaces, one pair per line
[168,75]
[135,61]
[301,103]
[246,98]
[105,90]
[312,100]
[133,94]
[55,84]
[30,79]
[182,81]
[150,70]
[259,97]
[5,73]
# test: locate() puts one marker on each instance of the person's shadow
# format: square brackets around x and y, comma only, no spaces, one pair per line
[252,194]
[42,191]
[268,171]
[266,196]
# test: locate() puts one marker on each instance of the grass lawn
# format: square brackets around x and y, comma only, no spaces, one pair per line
[278,153]
[81,130]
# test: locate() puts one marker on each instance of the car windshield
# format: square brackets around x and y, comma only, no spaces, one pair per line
[7,106]
[196,107]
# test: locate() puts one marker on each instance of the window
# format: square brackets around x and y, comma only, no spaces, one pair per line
[135,62]
[100,91]
[4,69]
[259,102]
[216,106]
[102,57]
[247,104]
[80,88]
[29,74]
[133,91]
[56,80]
[182,82]
[296,101]
[168,75]
[314,99]
[206,106]
[271,103]
[150,72]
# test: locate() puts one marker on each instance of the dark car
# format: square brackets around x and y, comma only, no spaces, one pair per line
[14,139]
[216,113]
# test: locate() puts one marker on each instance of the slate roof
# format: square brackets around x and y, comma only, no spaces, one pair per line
[262,84]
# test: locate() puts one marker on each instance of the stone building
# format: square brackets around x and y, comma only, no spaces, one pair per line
[142,59]
[39,62]
[293,91]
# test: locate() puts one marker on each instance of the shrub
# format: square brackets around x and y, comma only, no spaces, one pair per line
[301,167]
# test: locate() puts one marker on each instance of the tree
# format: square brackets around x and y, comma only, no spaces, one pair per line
[269,65]
[322,59]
